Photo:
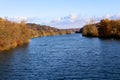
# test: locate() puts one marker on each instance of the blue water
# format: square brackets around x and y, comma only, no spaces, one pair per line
[66,57]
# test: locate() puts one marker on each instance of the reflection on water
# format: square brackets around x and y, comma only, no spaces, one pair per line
[66,57]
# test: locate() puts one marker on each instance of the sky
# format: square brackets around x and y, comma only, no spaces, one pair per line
[58,11]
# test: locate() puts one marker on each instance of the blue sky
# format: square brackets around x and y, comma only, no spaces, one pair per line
[51,9]
[58,8]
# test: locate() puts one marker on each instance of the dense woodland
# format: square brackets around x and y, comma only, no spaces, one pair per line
[104,29]
[14,34]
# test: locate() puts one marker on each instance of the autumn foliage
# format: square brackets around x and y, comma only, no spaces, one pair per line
[104,29]
[12,34]
[109,28]
[37,30]
[90,31]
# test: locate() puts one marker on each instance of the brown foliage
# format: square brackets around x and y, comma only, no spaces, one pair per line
[106,29]
[90,31]
[109,28]
[43,30]
[12,34]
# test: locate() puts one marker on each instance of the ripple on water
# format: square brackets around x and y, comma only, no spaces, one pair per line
[66,57]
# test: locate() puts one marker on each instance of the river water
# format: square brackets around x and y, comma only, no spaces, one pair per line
[65,57]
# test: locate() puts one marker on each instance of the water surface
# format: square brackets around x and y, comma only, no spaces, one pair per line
[66,57]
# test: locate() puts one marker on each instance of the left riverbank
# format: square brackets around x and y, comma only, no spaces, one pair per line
[13,34]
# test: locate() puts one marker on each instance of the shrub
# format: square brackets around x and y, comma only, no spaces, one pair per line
[90,31]
[12,34]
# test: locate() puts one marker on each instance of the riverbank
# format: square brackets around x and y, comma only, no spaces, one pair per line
[104,29]
[13,34]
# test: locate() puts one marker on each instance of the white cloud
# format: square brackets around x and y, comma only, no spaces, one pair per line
[107,16]
[75,21]
[18,19]
[73,16]
[57,19]
[70,21]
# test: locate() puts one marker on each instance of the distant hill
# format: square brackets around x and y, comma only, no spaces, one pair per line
[38,30]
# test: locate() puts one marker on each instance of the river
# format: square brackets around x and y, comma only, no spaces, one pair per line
[65,57]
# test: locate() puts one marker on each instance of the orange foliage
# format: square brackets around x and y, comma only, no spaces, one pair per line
[106,29]
[12,34]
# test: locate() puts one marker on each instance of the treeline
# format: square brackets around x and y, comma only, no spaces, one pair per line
[13,34]
[104,29]
[37,30]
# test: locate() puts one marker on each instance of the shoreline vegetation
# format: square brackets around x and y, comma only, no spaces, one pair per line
[13,34]
[105,29]
[37,30]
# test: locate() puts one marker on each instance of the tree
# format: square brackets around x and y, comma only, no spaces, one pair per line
[105,29]
[90,29]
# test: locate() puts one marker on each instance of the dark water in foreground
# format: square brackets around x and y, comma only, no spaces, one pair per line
[66,57]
